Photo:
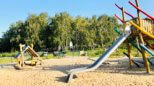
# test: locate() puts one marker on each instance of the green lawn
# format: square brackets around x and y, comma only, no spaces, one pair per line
[8,54]
[8,57]
[99,51]
[5,60]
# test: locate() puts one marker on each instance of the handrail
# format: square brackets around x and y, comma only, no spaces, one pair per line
[142,30]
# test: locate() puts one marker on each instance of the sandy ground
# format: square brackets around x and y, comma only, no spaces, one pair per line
[115,72]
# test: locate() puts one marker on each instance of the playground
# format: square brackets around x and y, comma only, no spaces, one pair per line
[80,51]
[114,72]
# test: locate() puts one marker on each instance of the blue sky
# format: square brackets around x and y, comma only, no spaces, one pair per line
[14,10]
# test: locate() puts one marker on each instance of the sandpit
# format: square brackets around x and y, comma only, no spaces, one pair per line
[53,72]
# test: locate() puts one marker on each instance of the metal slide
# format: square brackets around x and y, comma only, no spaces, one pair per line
[151,60]
[146,49]
[103,57]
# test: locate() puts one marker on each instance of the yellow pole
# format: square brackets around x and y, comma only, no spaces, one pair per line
[146,63]
[142,30]
[127,42]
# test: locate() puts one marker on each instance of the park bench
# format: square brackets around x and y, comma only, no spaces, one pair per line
[59,53]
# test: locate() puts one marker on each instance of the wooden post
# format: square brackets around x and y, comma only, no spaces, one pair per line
[21,62]
[123,18]
[19,59]
[146,63]
[127,42]
[31,45]
[32,57]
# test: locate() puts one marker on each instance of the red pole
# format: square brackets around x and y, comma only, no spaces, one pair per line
[125,11]
[141,10]
[119,18]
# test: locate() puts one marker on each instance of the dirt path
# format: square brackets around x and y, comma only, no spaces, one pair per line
[53,72]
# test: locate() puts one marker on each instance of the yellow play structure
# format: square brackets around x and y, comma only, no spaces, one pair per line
[142,29]
[35,58]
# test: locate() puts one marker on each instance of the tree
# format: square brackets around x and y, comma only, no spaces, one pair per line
[55,33]
[104,31]
[34,26]
[60,28]
[82,35]
[12,38]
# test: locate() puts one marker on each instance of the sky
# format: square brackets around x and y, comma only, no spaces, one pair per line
[14,10]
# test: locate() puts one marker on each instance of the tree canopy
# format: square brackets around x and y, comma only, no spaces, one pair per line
[56,32]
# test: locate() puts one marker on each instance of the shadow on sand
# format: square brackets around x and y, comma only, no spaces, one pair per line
[64,68]
[11,65]
[111,66]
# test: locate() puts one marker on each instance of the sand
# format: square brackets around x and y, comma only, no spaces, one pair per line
[53,72]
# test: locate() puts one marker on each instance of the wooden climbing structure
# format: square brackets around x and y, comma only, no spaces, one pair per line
[21,62]
[142,29]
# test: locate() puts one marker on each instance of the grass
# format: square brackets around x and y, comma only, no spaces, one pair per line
[5,60]
[90,53]
[7,57]
[8,54]
[97,52]
[72,53]
[119,52]
[50,56]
